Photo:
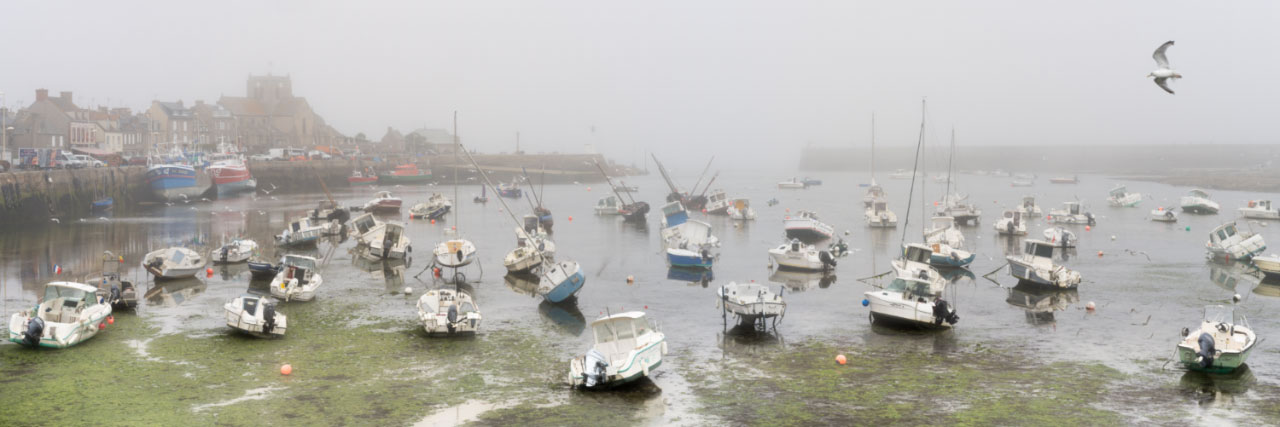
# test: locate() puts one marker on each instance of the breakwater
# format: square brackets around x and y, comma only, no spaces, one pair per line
[32,196]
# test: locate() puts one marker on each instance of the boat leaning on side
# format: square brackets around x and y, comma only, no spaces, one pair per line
[68,314]
[627,347]
[255,315]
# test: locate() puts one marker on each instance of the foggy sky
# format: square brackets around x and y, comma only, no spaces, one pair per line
[748,81]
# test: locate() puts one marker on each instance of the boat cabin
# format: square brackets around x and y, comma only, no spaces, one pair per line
[716,197]
[1029,202]
[875,191]
[1260,204]
[607,202]
[1039,249]
[943,222]
[1196,192]
[1224,233]
[1016,216]
[392,232]
[1072,208]
[616,335]
[879,206]
[531,224]
[910,287]
[382,195]
[300,267]
[740,204]
[64,301]
[674,213]
[364,223]
[1119,191]
[918,253]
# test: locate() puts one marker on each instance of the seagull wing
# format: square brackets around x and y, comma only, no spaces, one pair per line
[1161,60]
[1161,81]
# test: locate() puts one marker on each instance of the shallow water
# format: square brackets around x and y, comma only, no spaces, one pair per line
[1142,303]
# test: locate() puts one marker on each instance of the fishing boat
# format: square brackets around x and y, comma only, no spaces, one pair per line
[510,191]
[1029,206]
[405,174]
[1163,214]
[448,312]
[173,182]
[434,208]
[900,174]
[362,178]
[561,281]
[1035,265]
[1197,202]
[792,184]
[386,241]
[806,226]
[912,302]
[305,232]
[1011,224]
[878,215]
[740,209]
[1071,213]
[1120,197]
[297,280]
[1260,209]
[1268,264]
[688,243]
[1228,242]
[238,250]
[947,243]
[383,202]
[1074,179]
[68,314]
[230,176]
[718,203]
[751,302]
[1221,343]
[255,315]
[627,347]
[1060,237]
[796,255]
[607,205]
[1022,183]
[113,289]
[173,263]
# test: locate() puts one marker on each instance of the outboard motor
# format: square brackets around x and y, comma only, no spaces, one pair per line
[35,329]
[386,247]
[453,317]
[1090,216]
[269,316]
[1206,352]
[1009,227]
[828,261]
[594,368]
[115,295]
[943,312]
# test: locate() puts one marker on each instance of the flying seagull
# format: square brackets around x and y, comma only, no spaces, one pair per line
[1164,73]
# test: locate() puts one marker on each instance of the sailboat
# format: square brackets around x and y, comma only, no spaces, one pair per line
[459,252]
[543,214]
[876,206]
[953,204]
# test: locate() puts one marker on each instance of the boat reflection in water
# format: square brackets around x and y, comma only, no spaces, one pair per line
[390,271]
[746,339]
[692,276]
[956,275]
[172,293]
[1234,275]
[233,272]
[524,284]
[800,281]
[1206,387]
[1041,303]
[1269,287]
[565,315]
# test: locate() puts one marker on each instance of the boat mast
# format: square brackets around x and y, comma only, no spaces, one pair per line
[924,173]
[456,145]
[505,208]
[951,162]
[700,176]
[873,148]
[914,168]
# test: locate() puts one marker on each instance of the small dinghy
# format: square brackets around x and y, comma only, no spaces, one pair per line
[1221,343]
[798,256]
[383,203]
[1162,214]
[1011,224]
[1229,243]
[626,348]
[751,302]
[1120,197]
[69,314]
[263,269]
[239,250]
[255,315]
[1197,202]
[454,253]
[740,209]
[1260,209]
[1071,214]
[1035,265]
[297,279]
[173,263]
[111,288]
[434,208]
[791,184]
[448,311]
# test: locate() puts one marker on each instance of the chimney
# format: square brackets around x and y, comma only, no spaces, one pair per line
[67,97]
[42,94]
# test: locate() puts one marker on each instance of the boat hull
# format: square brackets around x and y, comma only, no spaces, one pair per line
[1259,213]
[688,259]
[176,182]
[79,331]
[896,312]
[566,288]
[941,260]
[362,180]
[807,234]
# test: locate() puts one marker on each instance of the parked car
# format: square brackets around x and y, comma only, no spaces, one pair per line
[66,160]
[260,157]
[320,155]
[86,161]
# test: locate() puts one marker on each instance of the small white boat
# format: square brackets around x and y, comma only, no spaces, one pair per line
[878,215]
[386,241]
[1229,243]
[1268,264]
[305,232]
[626,348]
[383,202]
[1029,206]
[900,174]
[435,207]
[1197,202]
[239,250]
[688,243]
[448,311]
[1260,209]
[454,253]
[255,315]
[916,263]
[751,302]
[954,206]
[1022,183]
[718,203]
[1035,265]
[530,252]
[796,255]
[874,193]
[805,225]
[297,280]
[1162,214]
[1071,213]
[740,209]
[912,302]
[173,263]
[68,314]
[792,184]
[1011,224]
[608,205]
[1221,343]
[1060,237]
[1120,197]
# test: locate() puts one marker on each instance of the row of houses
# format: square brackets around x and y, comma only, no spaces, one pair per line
[269,115]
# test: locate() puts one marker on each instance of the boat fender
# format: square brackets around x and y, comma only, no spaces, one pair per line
[828,261]
[35,329]
[1206,352]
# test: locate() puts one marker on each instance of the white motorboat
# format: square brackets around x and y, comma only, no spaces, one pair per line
[688,243]
[910,301]
[916,262]
[383,202]
[1035,265]
[718,203]
[1011,224]
[1229,243]
[878,215]
[1120,197]
[68,314]
[298,279]
[1268,264]
[448,311]
[874,193]
[1221,343]
[1071,213]
[1029,206]
[954,206]
[1260,209]
[751,302]
[740,209]
[435,207]
[305,231]
[112,288]
[239,250]
[1197,202]
[900,174]
[255,315]
[626,348]
[386,241]
[1060,237]
[362,224]
[1022,183]
[173,263]
[530,252]
[796,255]
[454,253]
[791,184]
[1163,214]
[805,225]
[608,205]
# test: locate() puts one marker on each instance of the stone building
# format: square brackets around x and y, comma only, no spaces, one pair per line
[215,126]
[271,116]
[46,123]
[173,126]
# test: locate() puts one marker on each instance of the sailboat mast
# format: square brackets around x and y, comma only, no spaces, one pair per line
[924,174]
[951,164]
[873,148]
[919,141]
[456,145]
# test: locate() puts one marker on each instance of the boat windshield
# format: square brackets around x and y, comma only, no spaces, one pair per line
[1039,249]
[71,294]
[908,286]
[1199,193]
[1219,314]
[299,261]
[177,257]
[918,254]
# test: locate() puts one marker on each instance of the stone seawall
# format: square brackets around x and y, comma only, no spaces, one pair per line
[33,196]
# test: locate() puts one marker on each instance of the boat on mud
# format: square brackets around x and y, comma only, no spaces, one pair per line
[751,302]
[237,251]
[255,315]
[1220,344]
[298,279]
[804,225]
[627,347]
[798,256]
[384,203]
[173,263]
[447,311]
[1035,265]
[1229,243]
[1197,202]
[68,314]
